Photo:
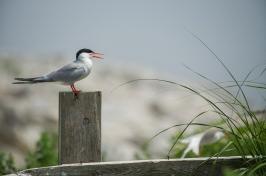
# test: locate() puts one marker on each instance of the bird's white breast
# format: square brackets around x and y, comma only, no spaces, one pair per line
[87,65]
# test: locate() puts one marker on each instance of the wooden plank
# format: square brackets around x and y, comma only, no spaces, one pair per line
[162,167]
[79,127]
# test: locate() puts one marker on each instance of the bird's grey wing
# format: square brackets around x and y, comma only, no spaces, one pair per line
[68,73]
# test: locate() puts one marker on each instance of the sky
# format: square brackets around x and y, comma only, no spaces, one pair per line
[147,33]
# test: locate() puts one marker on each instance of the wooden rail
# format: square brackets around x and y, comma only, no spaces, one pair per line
[162,167]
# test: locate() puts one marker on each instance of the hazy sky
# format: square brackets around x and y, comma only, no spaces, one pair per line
[147,32]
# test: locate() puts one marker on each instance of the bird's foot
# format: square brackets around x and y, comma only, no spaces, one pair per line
[76,94]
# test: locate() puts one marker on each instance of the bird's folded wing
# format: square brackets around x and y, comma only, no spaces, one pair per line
[68,73]
[69,68]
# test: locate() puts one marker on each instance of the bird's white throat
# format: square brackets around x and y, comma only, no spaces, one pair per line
[86,60]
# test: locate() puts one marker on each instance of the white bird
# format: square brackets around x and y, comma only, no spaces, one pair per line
[68,74]
[196,141]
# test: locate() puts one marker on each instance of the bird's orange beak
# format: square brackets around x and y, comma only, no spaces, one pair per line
[96,55]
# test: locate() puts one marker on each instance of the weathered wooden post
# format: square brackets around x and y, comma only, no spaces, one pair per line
[79,127]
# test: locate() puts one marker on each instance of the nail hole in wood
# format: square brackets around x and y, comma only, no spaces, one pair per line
[86,121]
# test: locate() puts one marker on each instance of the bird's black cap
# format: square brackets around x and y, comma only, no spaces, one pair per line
[84,50]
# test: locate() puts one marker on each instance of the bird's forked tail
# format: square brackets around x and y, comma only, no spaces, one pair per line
[34,80]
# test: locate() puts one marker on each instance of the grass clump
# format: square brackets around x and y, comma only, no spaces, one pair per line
[45,153]
[6,164]
[245,129]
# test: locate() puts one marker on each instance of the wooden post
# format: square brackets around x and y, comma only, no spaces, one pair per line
[79,127]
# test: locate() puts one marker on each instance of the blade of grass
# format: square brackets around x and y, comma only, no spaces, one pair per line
[222,63]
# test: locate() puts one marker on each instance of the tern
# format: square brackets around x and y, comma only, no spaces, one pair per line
[68,74]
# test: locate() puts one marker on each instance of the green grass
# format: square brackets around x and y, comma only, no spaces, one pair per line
[6,164]
[245,130]
[45,153]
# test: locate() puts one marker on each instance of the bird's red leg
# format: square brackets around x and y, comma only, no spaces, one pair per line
[72,88]
[76,90]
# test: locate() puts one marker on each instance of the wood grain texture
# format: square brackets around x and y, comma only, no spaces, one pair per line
[163,167]
[79,127]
